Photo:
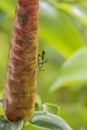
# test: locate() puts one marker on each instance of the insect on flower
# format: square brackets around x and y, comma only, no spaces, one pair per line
[42,60]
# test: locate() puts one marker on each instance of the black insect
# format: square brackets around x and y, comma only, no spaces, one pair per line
[41,60]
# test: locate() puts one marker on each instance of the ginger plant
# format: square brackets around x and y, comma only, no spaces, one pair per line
[21,78]
[21,82]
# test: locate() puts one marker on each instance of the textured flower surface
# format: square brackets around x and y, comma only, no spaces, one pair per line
[21,85]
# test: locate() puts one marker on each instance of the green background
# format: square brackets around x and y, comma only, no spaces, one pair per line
[62,35]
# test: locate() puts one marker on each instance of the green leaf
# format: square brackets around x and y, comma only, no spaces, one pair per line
[73,71]
[75,114]
[79,11]
[38,103]
[58,29]
[47,120]
[51,108]
[5,125]
[32,127]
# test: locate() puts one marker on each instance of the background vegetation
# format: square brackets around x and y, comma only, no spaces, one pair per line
[63,37]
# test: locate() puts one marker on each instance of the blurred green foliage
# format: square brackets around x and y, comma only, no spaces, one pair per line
[63,36]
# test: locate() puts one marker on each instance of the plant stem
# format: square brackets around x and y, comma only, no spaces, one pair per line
[21,83]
